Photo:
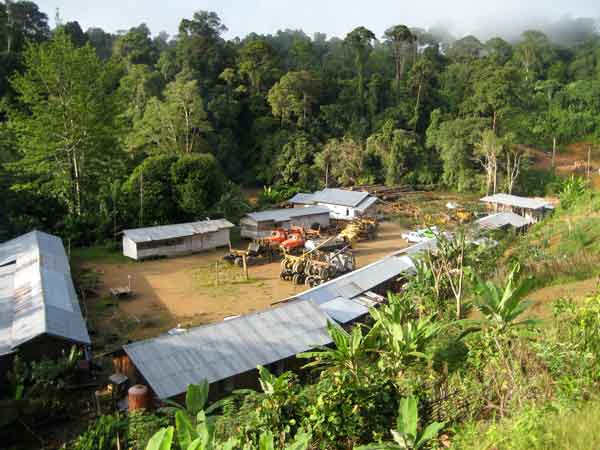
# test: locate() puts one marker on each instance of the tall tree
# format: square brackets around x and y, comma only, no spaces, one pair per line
[200,47]
[294,94]
[176,124]
[360,41]
[258,62]
[136,46]
[401,41]
[533,52]
[66,125]
[487,153]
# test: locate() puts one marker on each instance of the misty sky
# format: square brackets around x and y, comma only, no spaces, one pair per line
[333,17]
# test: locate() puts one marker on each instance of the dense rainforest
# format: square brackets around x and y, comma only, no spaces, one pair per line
[101,131]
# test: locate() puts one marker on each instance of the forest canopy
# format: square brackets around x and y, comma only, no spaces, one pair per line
[102,131]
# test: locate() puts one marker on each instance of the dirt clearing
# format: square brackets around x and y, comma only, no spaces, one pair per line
[544,298]
[183,290]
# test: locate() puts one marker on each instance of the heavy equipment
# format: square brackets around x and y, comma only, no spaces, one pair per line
[359,229]
[258,252]
[315,266]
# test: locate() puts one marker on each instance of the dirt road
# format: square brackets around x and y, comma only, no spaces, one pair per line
[183,290]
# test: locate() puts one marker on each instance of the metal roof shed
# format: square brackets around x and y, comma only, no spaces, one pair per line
[501,220]
[170,363]
[259,224]
[171,240]
[37,296]
[341,298]
[340,197]
[302,198]
[516,201]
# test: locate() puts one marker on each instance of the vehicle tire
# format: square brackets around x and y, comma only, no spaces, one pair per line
[239,261]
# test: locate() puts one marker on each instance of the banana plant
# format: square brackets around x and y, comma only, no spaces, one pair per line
[407,436]
[401,340]
[196,398]
[348,354]
[502,305]
[271,384]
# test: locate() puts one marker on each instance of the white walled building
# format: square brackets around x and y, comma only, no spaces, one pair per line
[172,240]
[342,204]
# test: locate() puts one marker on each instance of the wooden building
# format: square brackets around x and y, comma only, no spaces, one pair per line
[173,240]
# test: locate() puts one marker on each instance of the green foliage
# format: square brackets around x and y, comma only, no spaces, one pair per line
[141,426]
[502,306]
[65,122]
[102,434]
[406,435]
[573,189]
[349,352]
[177,124]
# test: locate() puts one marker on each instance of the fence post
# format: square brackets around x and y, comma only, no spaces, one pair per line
[217,273]
[245,263]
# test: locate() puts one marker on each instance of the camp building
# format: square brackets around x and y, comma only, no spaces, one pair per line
[172,240]
[532,209]
[40,314]
[502,221]
[342,204]
[348,298]
[259,224]
[227,353]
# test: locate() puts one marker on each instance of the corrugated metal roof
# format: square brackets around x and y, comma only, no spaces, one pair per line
[366,203]
[302,198]
[7,276]
[343,310]
[341,291]
[340,197]
[219,351]
[37,295]
[516,201]
[163,232]
[502,219]
[285,214]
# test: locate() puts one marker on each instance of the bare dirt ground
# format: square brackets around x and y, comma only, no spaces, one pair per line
[570,161]
[183,290]
[543,298]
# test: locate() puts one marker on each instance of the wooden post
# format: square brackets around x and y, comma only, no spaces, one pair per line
[589,162]
[245,264]
[217,273]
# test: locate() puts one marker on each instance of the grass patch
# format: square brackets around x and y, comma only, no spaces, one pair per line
[99,254]
[557,428]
